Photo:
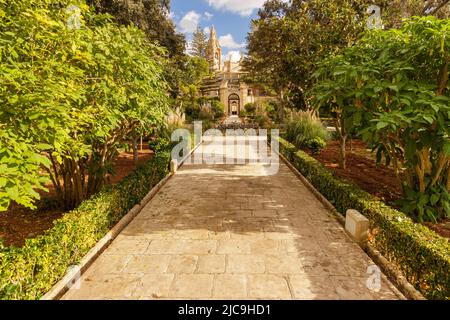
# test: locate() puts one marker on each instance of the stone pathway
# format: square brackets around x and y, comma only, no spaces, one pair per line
[232,232]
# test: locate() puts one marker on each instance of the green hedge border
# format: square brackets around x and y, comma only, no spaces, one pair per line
[422,255]
[31,271]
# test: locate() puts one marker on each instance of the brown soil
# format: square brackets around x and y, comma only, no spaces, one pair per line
[362,170]
[19,223]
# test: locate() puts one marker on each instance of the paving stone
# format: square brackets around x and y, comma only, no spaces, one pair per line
[211,264]
[262,286]
[182,264]
[148,264]
[307,287]
[106,264]
[352,288]
[265,246]
[192,286]
[165,246]
[245,264]
[233,247]
[104,287]
[281,264]
[154,286]
[128,246]
[199,247]
[230,286]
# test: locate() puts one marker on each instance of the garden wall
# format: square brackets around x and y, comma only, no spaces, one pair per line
[422,255]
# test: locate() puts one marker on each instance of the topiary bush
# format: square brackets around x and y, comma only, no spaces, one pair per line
[422,255]
[29,272]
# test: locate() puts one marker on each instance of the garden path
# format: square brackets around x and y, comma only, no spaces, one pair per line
[232,232]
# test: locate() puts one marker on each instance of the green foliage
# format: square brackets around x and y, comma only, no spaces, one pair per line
[72,95]
[30,271]
[262,120]
[199,43]
[433,205]
[151,16]
[189,99]
[421,254]
[307,132]
[393,87]
[250,108]
[271,110]
[287,40]
[217,108]
[316,145]
[205,115]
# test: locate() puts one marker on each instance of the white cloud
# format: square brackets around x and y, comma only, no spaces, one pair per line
[207,30]
[242,7]
[228,42]
[208,16]
[189,22]
[235,56]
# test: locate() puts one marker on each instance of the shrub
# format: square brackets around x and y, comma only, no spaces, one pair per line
[316,144]
[31,271]
[307,132]
[263,121]
[243,114]
[250,108]
[272,111]
[217,108]
[421,254]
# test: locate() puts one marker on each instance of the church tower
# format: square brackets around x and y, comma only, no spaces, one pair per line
[214,52]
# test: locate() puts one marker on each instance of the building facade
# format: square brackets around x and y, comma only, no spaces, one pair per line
[226,81]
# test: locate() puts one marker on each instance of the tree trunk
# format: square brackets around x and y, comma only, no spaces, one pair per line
[340,129]
[342,153]
[443,79]
[281,109]
[448,178]
[135,150]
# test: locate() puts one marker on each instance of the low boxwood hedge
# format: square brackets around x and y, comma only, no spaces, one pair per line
[422,255]
[30,271]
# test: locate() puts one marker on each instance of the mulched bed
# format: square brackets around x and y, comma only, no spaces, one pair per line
[19,223]
[362,170]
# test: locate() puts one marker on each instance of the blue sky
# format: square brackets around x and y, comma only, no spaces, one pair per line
[230,17]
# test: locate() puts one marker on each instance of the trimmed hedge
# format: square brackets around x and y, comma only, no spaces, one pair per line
[29,272]
[422,255]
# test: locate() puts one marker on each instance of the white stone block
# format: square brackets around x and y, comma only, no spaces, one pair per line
[357,225]
[173,166]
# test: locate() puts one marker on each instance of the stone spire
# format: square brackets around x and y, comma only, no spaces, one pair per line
[214,51]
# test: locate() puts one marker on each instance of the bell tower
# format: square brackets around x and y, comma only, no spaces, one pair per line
[214,52]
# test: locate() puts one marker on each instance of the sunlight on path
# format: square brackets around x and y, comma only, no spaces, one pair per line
[232,232]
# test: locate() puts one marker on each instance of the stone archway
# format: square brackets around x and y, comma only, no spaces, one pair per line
[233,105]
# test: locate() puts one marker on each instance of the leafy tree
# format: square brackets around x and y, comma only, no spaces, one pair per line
[287,41]
[195,70]
[151,16]
[393,87]
[69,97]
[199,43]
